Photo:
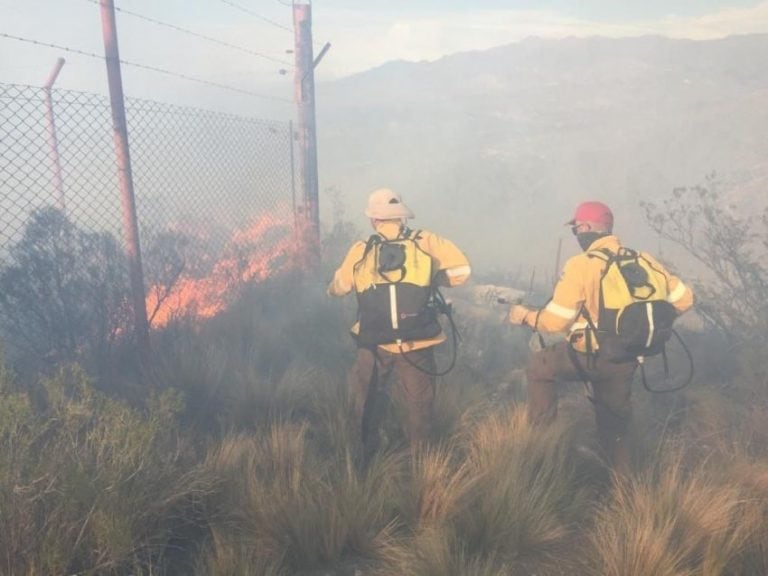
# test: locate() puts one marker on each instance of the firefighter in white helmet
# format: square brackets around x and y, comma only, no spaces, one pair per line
[394,274]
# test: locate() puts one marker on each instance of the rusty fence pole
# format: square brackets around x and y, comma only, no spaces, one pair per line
[125,176]
[53,140]
[294,206]
[304,91]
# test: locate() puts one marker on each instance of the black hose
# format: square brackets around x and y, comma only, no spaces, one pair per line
[676,388]
[444,308]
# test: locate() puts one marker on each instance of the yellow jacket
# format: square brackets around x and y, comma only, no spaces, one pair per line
[451,266]
[579,285]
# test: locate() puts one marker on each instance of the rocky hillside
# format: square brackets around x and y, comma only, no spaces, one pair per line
[495,147]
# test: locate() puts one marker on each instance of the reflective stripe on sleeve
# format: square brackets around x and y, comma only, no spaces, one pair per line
[677,293]
[458,271]
[561,311]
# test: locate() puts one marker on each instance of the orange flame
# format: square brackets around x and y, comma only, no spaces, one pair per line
[268,247]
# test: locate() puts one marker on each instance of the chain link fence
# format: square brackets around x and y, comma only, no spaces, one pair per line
[214,192]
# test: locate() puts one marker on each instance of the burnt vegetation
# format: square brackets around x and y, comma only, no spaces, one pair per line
[232,452]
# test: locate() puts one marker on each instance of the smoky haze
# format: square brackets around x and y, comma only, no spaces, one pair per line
[494,148]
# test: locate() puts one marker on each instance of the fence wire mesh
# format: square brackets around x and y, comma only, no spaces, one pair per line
[208,187]
[188,165]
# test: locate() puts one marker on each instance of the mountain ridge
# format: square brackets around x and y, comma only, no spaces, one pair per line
[531,127]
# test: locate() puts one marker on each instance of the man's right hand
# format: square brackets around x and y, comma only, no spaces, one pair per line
[517,314]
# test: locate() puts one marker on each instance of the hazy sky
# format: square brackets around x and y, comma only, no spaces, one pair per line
[364,34]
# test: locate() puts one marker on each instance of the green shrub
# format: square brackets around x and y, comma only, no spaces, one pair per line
[63,293]
[88,484]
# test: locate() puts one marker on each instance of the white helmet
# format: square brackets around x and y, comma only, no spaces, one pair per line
[384,204]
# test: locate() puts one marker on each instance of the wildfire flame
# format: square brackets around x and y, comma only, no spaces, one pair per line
[266,248]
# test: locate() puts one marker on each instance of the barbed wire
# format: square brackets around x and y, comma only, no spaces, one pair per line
[146,67]
[255,15]
[247,11]
[196,34]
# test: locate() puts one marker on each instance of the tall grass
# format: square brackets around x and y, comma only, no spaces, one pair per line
[281,505]
[532,488]
[497,496]
[247,462]
[675,521]
[437,551]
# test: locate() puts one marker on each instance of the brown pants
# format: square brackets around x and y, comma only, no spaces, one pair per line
[611,389]
[416,391]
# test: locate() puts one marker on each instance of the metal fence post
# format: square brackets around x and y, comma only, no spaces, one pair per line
[53,141]
[304,86]
[125,175]
[294,207]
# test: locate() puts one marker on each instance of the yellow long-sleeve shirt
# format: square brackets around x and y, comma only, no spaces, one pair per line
[450,264]
[579,285]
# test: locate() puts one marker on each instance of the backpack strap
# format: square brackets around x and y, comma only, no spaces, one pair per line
[589,332]
[409,234]
[373,240]
[602,254]
[535,326]
[609,258]
[376,239]
[628,255]
[576,361]
[415,236]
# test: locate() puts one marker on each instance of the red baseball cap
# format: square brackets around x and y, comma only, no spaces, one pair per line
[594,212]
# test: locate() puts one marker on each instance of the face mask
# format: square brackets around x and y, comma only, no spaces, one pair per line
[587,238]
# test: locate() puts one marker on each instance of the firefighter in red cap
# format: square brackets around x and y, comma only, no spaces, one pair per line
[394,275]
[575,309]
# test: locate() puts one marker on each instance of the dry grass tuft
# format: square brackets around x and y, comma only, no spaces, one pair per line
[437,551]
[441,484]
[285,507]
[530,487]
[674,521]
